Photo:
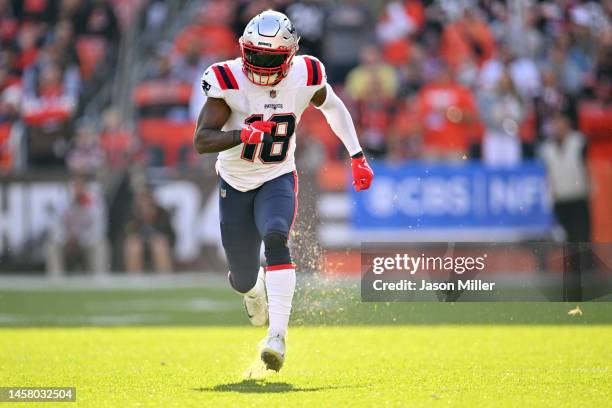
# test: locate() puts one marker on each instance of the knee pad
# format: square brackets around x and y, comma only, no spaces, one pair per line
[275,240]
[276,249]
[242,283]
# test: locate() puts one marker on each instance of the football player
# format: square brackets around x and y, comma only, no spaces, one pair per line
[253,106]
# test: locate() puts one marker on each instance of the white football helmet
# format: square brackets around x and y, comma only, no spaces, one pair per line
[268,45]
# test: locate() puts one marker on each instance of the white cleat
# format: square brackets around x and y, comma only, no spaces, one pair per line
[256,305]
[273,352]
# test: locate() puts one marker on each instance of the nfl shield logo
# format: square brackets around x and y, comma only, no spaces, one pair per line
[273,94]
[223,193]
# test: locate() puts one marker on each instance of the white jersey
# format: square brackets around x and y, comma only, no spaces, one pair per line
[246,167]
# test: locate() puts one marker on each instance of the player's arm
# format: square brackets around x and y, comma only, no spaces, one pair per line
[338,117]
[209,138]
[340,121]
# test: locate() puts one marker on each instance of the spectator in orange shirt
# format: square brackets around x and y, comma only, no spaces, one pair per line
[467,39]
[399,20]
[215,36]
[447,113]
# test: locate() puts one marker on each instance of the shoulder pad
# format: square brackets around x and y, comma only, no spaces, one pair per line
[315,70]
[218,78]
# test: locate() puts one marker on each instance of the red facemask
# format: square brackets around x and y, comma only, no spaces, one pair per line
[265,66]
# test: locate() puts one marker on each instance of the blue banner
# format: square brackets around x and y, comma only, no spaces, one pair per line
[471,195]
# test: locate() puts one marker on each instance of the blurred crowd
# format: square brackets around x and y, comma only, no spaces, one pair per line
[428,79]
[490,80]
[54,55]
[448,80]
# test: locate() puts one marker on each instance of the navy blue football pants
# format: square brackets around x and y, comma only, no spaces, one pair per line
[265,214]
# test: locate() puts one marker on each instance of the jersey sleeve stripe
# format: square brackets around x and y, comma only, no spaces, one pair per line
[231,76]
[225,77]
[316,72]
[309,70]
[222,83]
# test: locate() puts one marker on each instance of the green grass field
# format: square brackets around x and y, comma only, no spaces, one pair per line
[190,346]
[331,366]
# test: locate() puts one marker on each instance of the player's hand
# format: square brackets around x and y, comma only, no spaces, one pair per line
[362,173]
[257,132]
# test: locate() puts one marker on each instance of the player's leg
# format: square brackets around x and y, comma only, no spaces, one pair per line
[275,209]
[242,243]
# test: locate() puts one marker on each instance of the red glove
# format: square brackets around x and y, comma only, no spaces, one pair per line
[257,132]
[362,173]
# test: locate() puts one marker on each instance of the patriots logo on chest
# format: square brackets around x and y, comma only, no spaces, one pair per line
[273,94]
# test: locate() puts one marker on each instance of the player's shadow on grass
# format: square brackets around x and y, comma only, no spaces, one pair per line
[251,386]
